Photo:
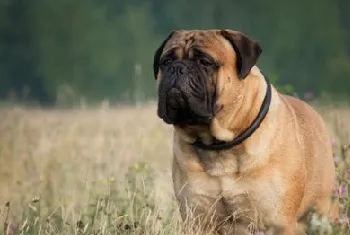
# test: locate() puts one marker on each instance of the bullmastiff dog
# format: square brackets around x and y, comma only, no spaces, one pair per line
[246,158]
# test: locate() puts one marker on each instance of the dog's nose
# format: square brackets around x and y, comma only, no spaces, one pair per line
[177,69]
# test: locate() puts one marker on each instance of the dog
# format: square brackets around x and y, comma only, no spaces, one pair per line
[246,158]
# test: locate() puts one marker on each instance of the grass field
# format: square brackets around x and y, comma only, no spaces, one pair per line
[108,171]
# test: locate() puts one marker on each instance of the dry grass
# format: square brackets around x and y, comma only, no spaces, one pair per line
[103,171]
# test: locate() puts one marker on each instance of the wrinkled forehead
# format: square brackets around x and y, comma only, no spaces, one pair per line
[209,41]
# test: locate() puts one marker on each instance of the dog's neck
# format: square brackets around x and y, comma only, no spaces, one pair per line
[234,117]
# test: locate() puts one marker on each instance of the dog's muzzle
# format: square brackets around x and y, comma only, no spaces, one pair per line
[183,96]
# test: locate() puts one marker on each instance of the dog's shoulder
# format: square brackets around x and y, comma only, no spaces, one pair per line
[309,122]
[303,111]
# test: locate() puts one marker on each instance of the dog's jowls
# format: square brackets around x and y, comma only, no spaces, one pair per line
[209,88]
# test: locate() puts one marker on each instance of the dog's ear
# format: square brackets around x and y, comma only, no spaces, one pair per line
[158,53]
[247,50]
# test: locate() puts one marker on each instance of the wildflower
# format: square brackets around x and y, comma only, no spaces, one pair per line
[308,96]
[334,142]
[343,190]
[260,233]
[337,158]
[13,228]
[320,224]
[343,219]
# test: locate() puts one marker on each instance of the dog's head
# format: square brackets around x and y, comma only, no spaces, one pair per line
[195,67]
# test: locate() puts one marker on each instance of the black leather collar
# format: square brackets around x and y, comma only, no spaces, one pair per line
[222,145]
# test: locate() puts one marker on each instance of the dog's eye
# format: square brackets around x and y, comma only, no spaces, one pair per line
[166,61]
[205,62]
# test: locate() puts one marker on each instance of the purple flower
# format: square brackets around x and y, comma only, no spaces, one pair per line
[12,228]
[343,219]
[308,96]
[337,158]
[260,233]
[334,142]
[343,190]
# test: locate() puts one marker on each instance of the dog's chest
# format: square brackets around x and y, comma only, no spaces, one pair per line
[219,163]
[248,200]
[236,193]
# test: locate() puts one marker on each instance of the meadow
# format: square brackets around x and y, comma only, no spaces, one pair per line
[108,171]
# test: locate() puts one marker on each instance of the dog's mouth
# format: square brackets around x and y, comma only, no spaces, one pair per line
[183,106]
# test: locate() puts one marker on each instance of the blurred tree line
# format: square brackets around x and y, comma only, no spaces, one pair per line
[104,49]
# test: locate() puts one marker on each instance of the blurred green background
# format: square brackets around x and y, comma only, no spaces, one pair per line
[103,49]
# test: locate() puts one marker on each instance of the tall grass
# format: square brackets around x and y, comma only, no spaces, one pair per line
[108,171]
